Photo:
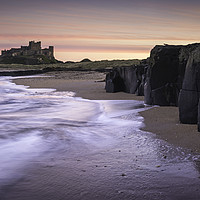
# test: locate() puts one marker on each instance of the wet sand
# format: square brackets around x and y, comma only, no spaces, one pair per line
[163,121]
[112,172]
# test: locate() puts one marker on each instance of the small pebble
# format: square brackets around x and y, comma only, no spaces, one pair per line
[123,174]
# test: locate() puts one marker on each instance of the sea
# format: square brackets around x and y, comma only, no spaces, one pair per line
[36,123]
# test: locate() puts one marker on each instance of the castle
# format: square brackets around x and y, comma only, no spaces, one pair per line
[34,49]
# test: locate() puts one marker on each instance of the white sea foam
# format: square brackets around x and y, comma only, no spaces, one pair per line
[28,115]
[33,120]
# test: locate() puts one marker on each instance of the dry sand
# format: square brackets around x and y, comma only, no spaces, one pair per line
[88,85]
[162,121]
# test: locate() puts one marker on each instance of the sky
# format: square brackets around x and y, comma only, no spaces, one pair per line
[99,30]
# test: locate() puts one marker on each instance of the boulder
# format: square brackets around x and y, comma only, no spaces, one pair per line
[114,83]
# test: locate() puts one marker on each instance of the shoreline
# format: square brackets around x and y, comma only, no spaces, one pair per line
[85,163]
[89,85]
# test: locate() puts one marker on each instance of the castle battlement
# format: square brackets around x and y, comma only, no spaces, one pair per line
[33,49]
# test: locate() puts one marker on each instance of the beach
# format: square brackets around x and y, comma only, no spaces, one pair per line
[163,121]
[88,85]
[86,147]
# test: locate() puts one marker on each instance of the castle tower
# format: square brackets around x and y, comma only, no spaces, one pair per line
[35,46]
[3,52]
[51,50]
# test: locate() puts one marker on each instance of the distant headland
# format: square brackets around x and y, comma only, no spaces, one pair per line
[31,54]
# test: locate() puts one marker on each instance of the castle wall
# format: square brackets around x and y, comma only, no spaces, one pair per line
[34,48]
[48,51]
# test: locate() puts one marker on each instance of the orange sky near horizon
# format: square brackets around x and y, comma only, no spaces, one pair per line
[99,30]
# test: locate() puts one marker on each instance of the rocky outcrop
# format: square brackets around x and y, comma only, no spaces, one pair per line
[126,79]
[159,79]
[189,95]
[172,78]
[114,83]
[164,76]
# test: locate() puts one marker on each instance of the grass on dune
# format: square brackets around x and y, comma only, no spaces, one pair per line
[93,65]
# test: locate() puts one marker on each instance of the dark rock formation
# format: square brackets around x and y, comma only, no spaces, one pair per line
[126,79]
[159,78]
[164,76]
[114,83]
[189,95]
[172,78]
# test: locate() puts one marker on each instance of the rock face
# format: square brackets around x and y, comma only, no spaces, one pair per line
[164,76]
[126,79]
[172,78]
[189,95]
[114,83]
[159,80]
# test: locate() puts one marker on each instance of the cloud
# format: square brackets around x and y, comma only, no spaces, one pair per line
[109,26]
[103,48]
